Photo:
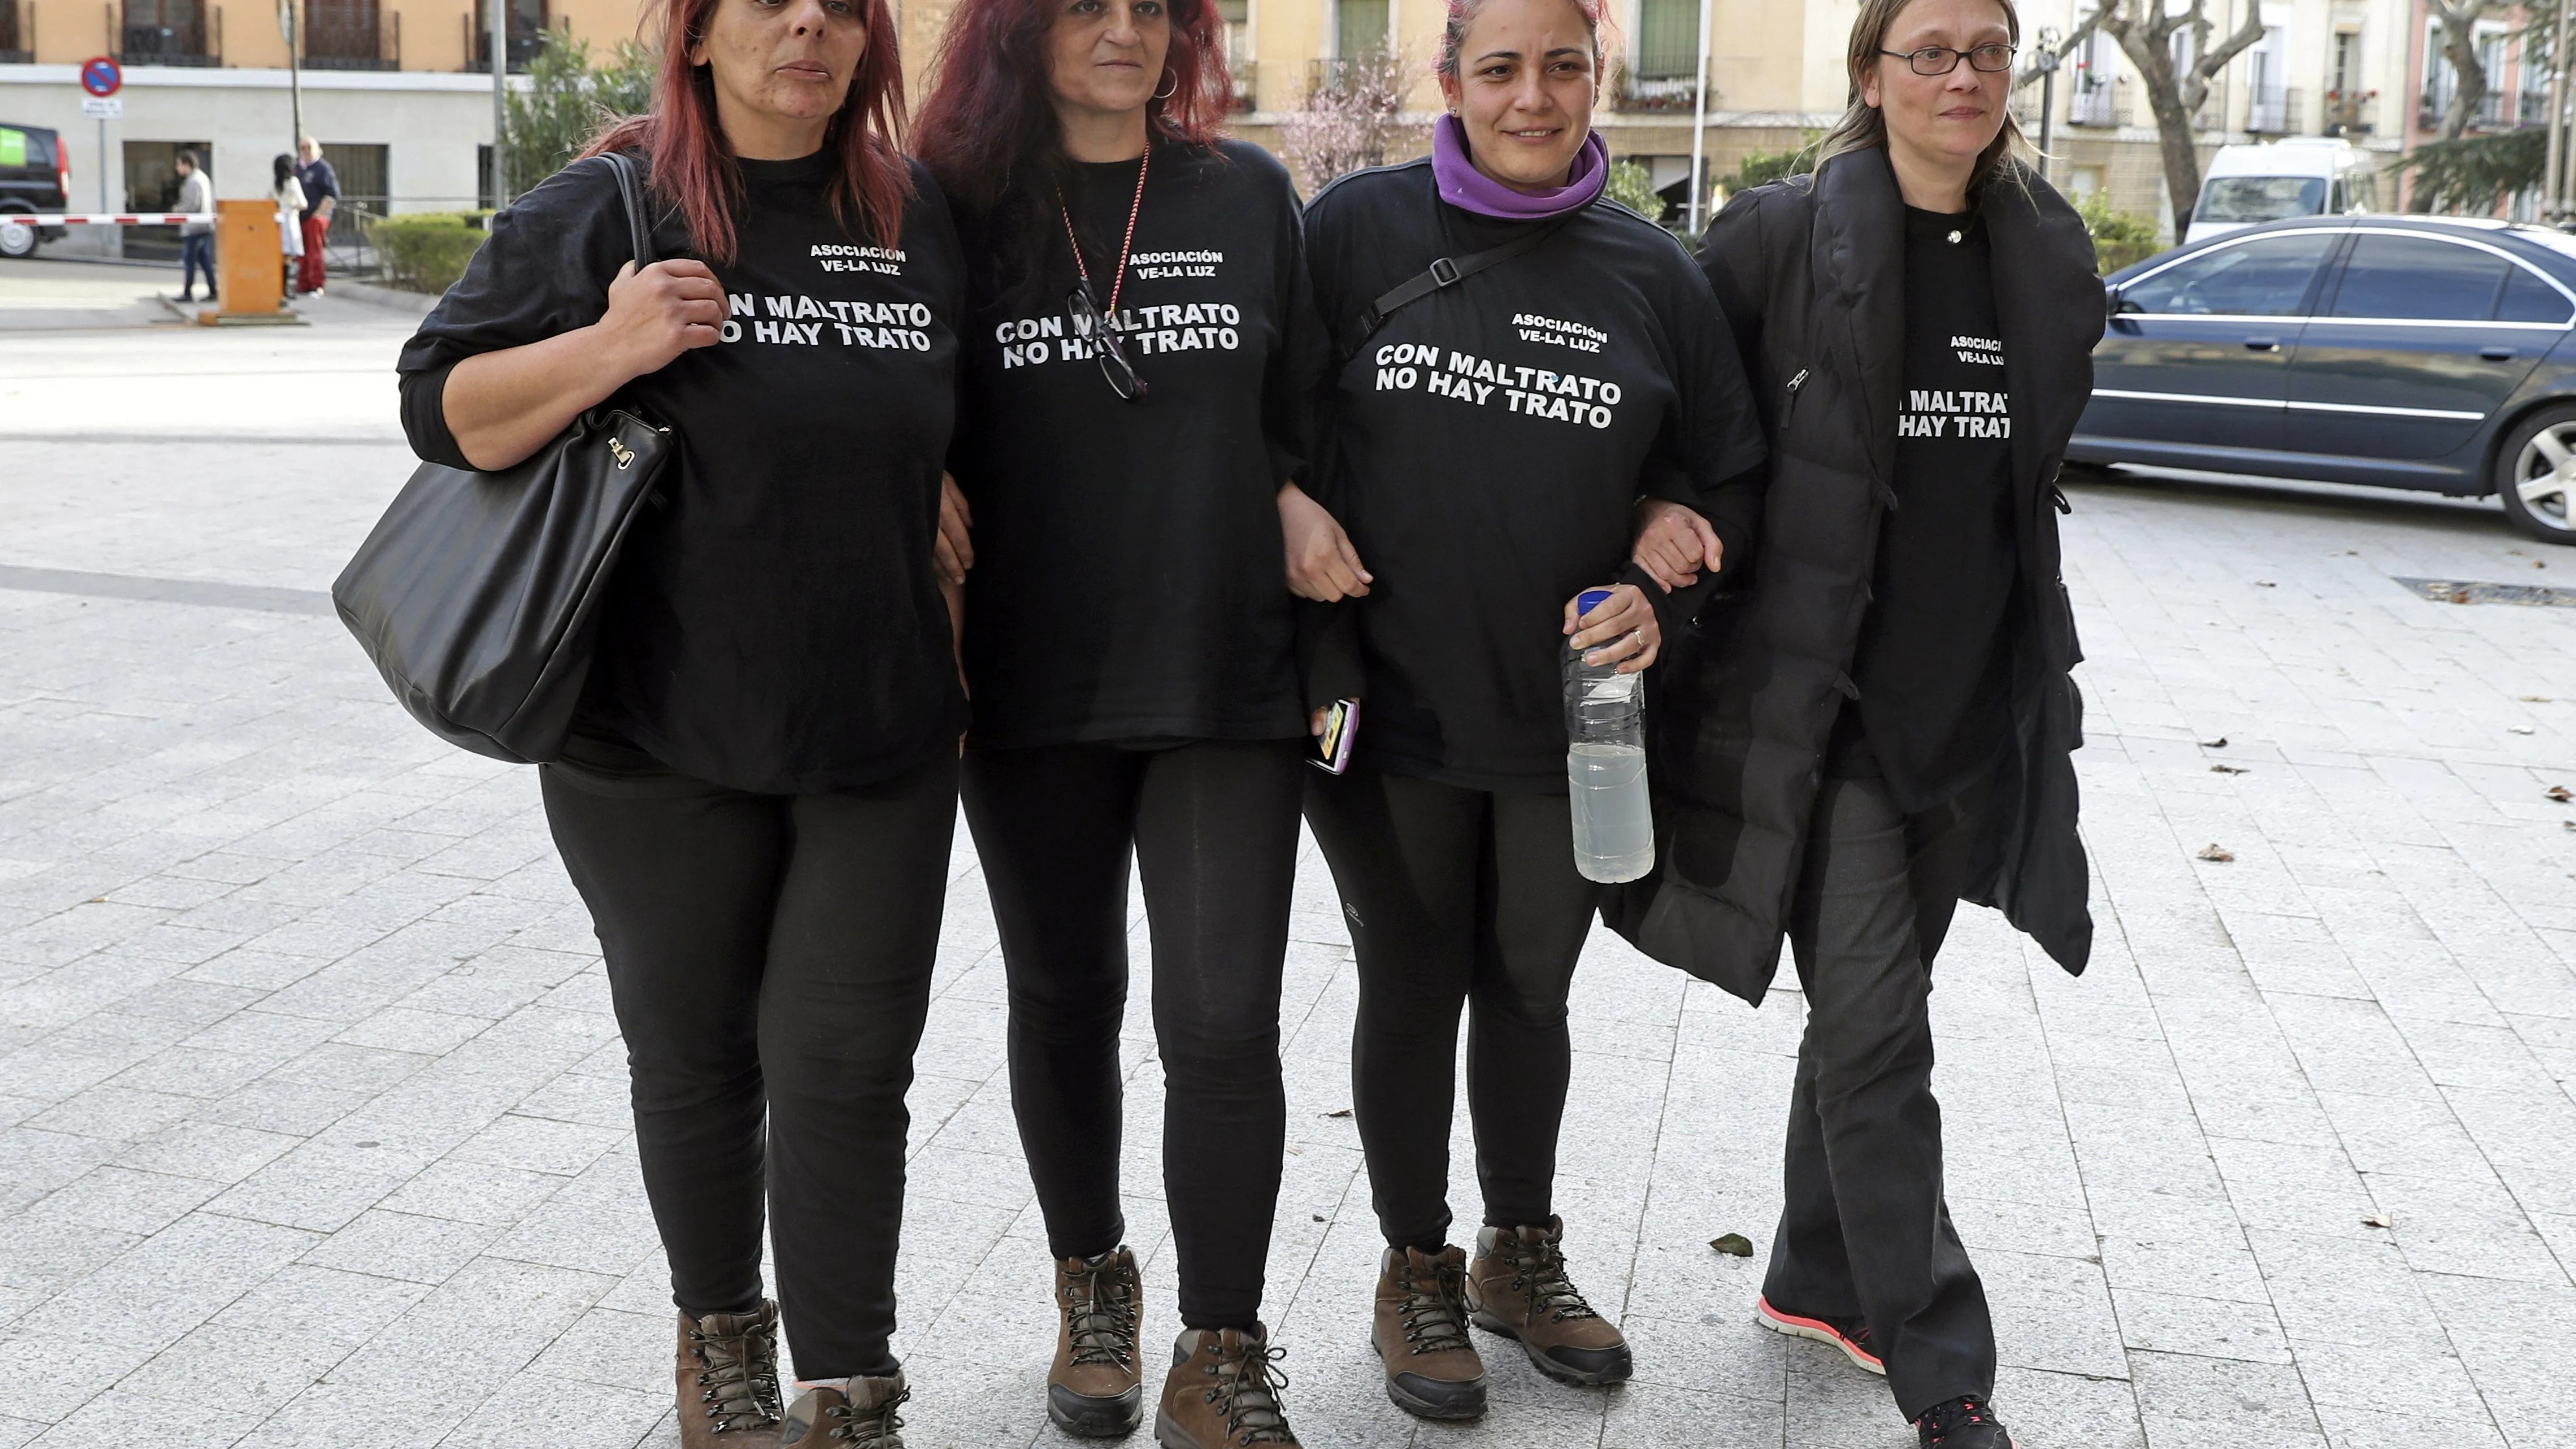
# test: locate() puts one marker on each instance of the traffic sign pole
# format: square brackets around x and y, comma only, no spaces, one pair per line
[102,77]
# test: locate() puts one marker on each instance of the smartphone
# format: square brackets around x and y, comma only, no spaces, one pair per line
[1333,746]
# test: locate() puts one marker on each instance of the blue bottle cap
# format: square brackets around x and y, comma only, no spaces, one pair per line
[1589,600]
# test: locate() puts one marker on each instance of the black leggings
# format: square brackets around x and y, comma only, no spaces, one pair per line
[1213,827]
[769,953]
[1456,897]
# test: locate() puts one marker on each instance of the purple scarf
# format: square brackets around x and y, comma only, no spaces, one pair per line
[1468,189]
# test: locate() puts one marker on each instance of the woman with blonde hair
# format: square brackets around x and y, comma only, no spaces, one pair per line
[1879,728]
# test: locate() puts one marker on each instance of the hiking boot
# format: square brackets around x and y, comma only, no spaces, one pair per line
[1094,1391]
[1431,1368]
[1223,1392]
[862,1416]
[1518,1288]
[1966,1422]
[727,1368]
[1851,1335]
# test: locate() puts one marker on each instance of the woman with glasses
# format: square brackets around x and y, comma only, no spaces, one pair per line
[1489,438]
[1881,728]
[1139,362]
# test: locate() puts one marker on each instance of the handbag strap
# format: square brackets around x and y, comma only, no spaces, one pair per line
[630,191]
[1443,272]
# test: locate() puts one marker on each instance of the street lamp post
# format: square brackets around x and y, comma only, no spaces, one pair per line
[2553,180]
[1699,131]
[500,100]
[2047,63]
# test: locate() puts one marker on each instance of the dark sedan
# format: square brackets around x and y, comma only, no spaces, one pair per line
[2409,352]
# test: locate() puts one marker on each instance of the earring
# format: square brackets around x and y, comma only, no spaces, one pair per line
[1174,85]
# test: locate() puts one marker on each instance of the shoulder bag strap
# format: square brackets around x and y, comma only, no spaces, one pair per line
[630,190]
[1443,272]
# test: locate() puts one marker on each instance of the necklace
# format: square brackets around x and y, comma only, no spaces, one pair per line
[1117,280]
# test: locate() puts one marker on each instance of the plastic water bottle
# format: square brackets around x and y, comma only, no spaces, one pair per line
[1605,765]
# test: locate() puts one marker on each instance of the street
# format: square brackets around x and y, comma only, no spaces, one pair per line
[317,1131]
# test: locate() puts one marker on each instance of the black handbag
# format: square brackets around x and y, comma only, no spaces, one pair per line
[478,594]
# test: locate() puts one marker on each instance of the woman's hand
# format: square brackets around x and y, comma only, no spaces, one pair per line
[1674,543]
[953,546]
[1322,565]
[1621,627]
[660,312]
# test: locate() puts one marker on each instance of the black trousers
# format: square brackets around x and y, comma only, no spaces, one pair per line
[1866,1231]
[769,954]
[1456,898]
[1212,826]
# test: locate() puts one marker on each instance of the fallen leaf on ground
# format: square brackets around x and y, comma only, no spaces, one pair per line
[2533,698]
[1342,1113]
[2265,584]
[2561,794]
[2378,1220]
[1319,1217]
[2519,729]
[2219,743]
[2229,770]
[1733,1244]
[2217,852]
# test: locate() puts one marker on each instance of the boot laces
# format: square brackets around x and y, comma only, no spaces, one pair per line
[1247,1395]
[1101,1325]
[1435,1320]
[1538,1269]
[737,1378]
[877,1428]
[1949,1418]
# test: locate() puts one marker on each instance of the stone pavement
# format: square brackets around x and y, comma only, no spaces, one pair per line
[315,1122]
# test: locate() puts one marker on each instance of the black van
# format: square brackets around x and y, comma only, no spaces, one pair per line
[35,178]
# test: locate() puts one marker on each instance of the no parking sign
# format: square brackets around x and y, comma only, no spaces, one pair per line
[100,76]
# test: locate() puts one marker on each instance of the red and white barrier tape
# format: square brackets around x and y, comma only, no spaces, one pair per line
[168,218]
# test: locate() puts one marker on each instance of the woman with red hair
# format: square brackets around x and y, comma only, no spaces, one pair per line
[1140,353]
[758,795]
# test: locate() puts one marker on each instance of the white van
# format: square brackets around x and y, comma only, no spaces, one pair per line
[2303,176]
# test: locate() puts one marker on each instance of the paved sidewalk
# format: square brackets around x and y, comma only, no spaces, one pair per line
[316,1131]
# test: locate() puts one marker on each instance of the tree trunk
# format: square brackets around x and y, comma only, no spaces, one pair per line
[2469,74]
[2149,47]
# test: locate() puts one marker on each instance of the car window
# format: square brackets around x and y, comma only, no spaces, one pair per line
[2260,198]
[13,147]
[2419,279]
[2364,184]
[2265,277]
[2529,299]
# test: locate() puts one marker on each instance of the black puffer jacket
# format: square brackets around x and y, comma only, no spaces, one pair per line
[1811,272]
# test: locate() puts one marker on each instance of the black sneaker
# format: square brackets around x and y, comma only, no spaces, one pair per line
[1851,1335]
[1966,1422]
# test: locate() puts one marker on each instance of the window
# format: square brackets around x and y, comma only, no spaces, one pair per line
[2260,198]
[2419,278]
[2347,62]
[1359,28]
[2267,277]
[1667,40]
[2529,299]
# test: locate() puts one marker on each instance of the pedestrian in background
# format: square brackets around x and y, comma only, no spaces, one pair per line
[1881,727]
[1489,442]
[290,218]
[757,799]
[1138,369]
[321,198]
[196,238]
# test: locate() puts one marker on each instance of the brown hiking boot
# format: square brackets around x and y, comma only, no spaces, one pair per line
[1223,1392]
[1095,1390]
[1431,1368]
[727,1368]
[1518,1289]
[864,1417]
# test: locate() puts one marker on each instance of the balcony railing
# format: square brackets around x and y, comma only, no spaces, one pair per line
[339,35]
[2272,110]
[2095,103]
[167,32]
[1245,74]
[2348,112]
[17,32]
[2531,108]
[1659,82]
[524,43]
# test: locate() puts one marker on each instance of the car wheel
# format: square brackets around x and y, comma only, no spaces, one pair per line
[2535,475]
[17,239]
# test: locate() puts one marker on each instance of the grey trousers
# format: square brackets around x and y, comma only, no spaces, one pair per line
[1866,1232]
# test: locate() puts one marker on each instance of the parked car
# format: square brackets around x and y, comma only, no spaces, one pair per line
[35,178]
[2302,176]
[2408,352]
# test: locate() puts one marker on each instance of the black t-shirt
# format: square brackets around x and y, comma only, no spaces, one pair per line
[1930,667]
[1487,446]
[775,623]
[1128,582]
